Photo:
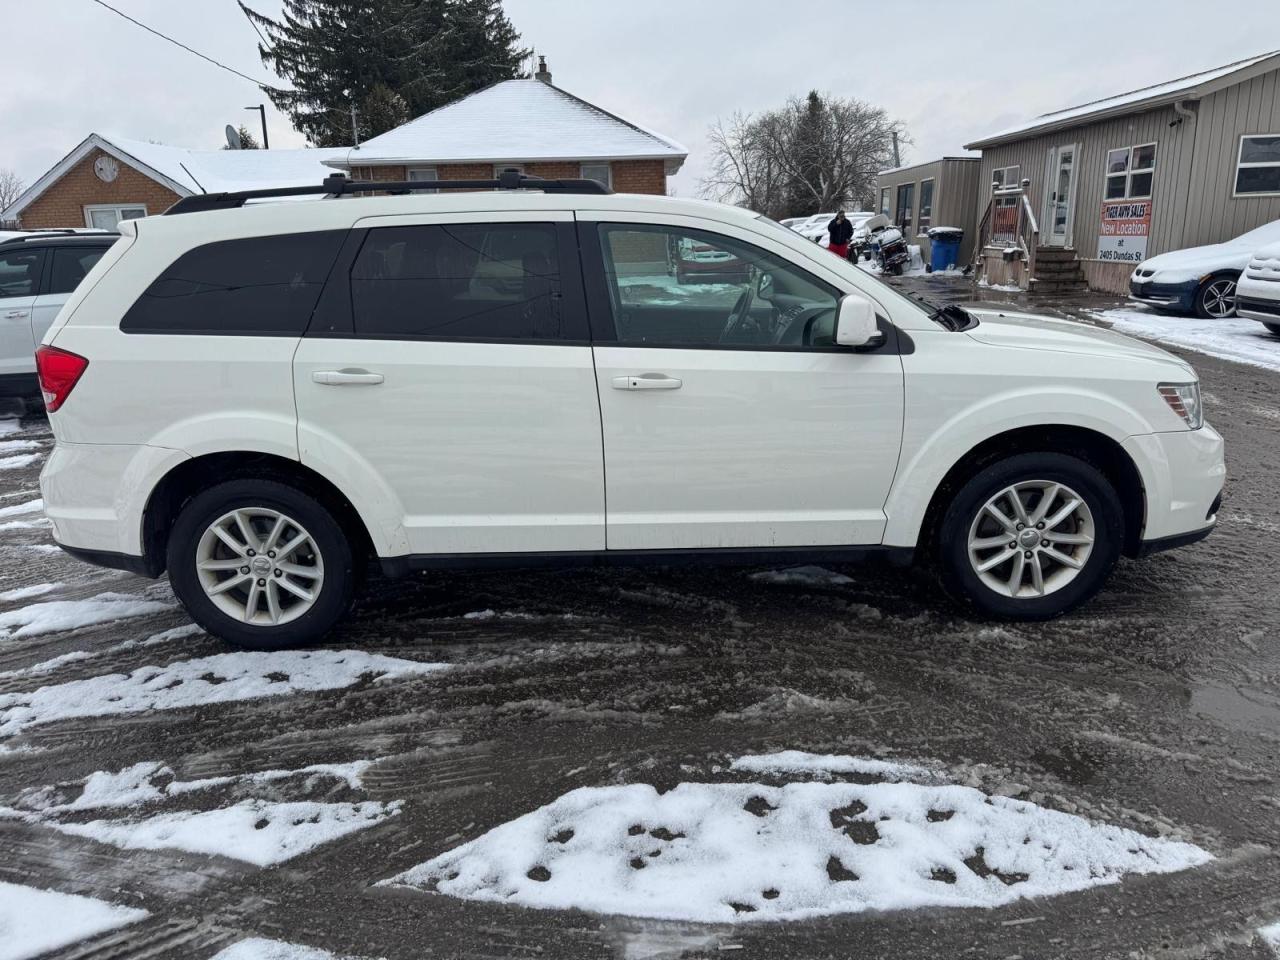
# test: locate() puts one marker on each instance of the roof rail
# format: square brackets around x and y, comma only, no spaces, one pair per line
[337,185]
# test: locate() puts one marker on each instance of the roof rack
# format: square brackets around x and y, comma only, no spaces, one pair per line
[337,185]
[57,234]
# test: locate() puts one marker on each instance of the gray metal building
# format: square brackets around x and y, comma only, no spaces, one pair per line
[941,193]
[1182,163]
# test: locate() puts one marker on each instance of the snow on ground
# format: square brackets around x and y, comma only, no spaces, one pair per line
[256,831]
[674,293]
[220,678]
[1271,937]
[26,593]
[18,509]
[258,948]
[34,922]
[55,615]
[808,575]
[799,761]
[706,852]
[1002,287]
[1244,341]
[21,460]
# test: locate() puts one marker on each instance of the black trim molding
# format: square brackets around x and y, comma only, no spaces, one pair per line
[142,566]
[1148,547]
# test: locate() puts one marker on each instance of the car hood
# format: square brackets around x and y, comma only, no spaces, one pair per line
[1030,331]
[1201,260]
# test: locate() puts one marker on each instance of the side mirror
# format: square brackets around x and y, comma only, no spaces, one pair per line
[765,290]
[856,322]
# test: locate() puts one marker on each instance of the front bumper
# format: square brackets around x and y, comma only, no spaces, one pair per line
[1183,475]
[1255,308]
[1173,296]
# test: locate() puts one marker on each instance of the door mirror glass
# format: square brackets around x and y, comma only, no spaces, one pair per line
[765,290]
[856,322]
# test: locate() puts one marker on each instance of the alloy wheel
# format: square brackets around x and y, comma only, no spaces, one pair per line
[1031,539]
[259,566]
[1219,298]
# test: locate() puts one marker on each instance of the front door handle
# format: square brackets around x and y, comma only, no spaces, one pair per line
[15,314]
[347,377]
[647,381]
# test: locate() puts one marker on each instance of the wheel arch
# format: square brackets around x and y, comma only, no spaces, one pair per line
[191,476]
[1097,449]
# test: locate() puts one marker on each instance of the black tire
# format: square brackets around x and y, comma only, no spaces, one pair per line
[337,587]
[1213,292]
[958,576]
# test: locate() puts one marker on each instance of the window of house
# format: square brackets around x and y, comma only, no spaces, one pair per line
[1009,176]
[925,219]
[1258,165]
[104,216]
[459,281]
[1130,172]
[20,272]
[416,174]
[906,206]
[70,264]
[598,171]
[672,287]
[258,286]
[884,202]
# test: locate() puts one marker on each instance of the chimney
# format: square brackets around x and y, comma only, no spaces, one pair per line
[543,73]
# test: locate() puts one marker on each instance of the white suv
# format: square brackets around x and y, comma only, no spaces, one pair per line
[1258,294]
[261,398]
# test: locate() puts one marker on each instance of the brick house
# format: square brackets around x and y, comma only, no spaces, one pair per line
[529,125]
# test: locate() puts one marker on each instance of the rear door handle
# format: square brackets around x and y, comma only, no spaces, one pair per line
[15,314]
[647,381]
[347,377]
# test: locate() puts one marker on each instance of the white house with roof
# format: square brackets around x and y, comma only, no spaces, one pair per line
[529,125]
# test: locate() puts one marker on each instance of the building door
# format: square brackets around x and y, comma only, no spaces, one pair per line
[1060,197]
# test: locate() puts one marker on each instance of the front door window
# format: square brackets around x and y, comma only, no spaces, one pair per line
[1061,196]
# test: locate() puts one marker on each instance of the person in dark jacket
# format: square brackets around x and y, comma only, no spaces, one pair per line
[841,232]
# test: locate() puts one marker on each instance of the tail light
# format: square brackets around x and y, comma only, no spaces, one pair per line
[59,371]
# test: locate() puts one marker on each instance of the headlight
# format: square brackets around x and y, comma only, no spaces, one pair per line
[1184,400]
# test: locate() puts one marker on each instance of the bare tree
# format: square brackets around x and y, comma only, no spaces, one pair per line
[11,187]
[813,154]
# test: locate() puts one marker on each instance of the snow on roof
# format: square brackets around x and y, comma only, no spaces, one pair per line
[215,171]
[515,120]
[1150,96]
[926,163]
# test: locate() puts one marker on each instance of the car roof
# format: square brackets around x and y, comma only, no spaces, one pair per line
[60,239]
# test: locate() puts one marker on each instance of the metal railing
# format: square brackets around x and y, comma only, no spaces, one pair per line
[1009,221]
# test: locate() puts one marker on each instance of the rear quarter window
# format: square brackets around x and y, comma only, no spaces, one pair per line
[258,286]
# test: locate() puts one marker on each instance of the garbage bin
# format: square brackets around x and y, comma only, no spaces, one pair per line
[944,247]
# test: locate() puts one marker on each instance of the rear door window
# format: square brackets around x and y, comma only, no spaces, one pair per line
[70,264]
[462,281]
[258,286]
[20,272]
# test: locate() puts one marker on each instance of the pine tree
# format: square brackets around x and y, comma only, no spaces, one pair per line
[394,58]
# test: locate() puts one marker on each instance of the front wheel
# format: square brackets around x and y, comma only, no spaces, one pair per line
[261,564]
[1030,537]
[1216,298]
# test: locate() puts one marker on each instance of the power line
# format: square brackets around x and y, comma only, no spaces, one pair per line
[178,43]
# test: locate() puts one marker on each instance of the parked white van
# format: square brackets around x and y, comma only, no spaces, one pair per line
[260,397]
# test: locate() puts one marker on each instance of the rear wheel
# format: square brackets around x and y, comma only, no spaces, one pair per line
[1030,537]
[1216,298]
[261,564]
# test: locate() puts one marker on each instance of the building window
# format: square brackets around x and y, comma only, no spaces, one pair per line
[1130,172]
[598,171]
[906,201]
[925,220]
[415,174]
[1009,176]
[884,202]
[1258,165]
[104,216]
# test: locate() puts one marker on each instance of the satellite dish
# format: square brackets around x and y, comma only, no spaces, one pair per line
[233,138]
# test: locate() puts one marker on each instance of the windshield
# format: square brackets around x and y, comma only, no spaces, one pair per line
[948,316]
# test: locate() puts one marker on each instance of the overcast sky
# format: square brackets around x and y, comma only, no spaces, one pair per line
[951,70]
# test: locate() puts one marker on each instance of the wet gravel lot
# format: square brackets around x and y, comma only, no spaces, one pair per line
[1155,708]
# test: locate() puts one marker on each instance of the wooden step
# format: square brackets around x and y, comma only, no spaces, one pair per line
[1055,253]
[1059,270]
[1057,286]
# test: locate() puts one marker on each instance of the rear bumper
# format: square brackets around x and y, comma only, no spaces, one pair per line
[1256,308]
[1183,475]
[143,566]
[1175,296]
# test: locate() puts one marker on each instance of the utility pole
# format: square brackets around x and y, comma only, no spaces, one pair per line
[897,160]
[262,111]
[355,130]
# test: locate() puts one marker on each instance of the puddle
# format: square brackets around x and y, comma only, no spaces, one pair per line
[1241,709]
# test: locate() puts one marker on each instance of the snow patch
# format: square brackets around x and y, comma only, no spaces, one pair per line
[1270,935]
[15,463]
[35,922]
[259,948]
[26,593]
[220,678]
[18,509]
[798,761]
[808,575]
[255,831]
[1243,341]
[55,615]
[706,852]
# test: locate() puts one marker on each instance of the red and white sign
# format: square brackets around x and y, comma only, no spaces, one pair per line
[1126,225]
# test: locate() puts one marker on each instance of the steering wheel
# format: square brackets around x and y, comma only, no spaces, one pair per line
[739,317]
